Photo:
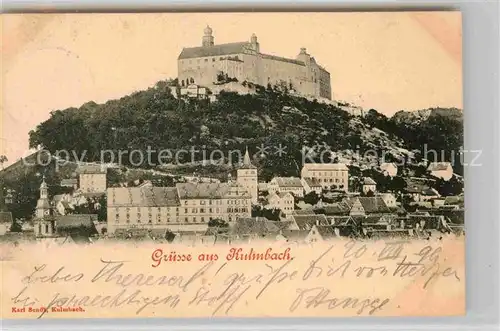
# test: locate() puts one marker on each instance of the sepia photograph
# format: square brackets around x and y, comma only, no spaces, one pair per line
[241,142]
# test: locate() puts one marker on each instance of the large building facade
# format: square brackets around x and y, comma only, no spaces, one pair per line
[207,64]
[186,207]
[329,175]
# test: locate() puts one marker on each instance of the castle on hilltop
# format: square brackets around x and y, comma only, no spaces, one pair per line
[211,63]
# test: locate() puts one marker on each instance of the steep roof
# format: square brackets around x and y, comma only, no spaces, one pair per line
[335,209]
[369,181]
[340,220]
[326,231]
[373,205]
[312,182]
[215,50]
[143,196]
[288,181]
[306,222]
[256,225]
[76,221]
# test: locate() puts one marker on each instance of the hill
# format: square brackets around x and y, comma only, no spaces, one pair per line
[155,120]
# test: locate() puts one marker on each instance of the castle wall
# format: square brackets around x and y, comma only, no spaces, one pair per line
[307,78]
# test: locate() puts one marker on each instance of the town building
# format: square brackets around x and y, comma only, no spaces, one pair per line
[254,228]
[306,222]
[329,175]
[441,170]
[311,185]
[282,201]
[389,199]
[367,205]
[287,184]
[194,91]
[213,63]
[92,178]
[369,185]
[246,176]
[186,207]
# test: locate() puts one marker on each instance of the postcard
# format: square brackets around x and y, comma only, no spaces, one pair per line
[232,164]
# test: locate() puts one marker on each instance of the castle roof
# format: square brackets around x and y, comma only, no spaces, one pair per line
[215,50]
[282,59]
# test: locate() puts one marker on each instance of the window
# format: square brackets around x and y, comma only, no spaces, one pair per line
[186,219]
[185,210]
[203,219]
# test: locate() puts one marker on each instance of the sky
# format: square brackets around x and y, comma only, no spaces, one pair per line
[386,61]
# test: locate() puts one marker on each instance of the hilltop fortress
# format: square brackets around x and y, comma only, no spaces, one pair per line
[210,63]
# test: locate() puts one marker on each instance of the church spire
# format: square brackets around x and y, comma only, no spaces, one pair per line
[247,163]
[246,158]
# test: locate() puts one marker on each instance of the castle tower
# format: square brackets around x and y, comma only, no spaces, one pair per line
[304,56]
[247,176]
[255,43]
[208,38]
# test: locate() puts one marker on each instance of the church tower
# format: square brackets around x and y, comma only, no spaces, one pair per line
[44,226]
[43,205]
[208,38]
[247,176]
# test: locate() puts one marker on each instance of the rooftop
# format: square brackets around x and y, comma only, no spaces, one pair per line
[325,166]
[147,196]
[211,190]
[288,181]
[215,50]
[306,222]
